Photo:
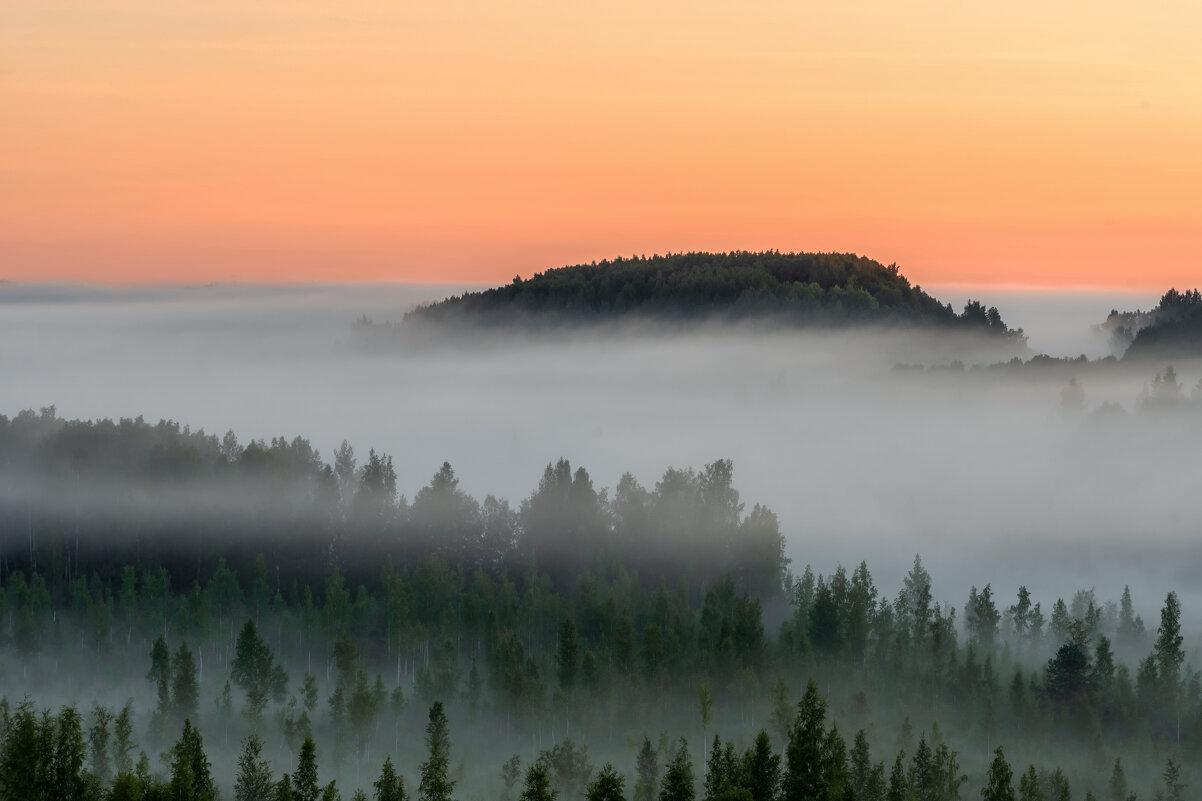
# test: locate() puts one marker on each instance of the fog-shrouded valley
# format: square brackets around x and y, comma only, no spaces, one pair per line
[629,530]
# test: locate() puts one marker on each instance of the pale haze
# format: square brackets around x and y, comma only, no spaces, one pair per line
[986,477]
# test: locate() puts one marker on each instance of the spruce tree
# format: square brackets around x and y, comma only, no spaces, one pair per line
[390,786]
[678,777]
[185,692]
[191,779]
[304,780]
[761,768]
[253,782]
[805,763]
[435,785]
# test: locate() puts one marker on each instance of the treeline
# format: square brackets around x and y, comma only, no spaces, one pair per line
[518,659]
[815,288]
[1173,329]
[84,497]
[44,756]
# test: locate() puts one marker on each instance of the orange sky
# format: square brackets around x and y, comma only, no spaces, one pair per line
[1030,142]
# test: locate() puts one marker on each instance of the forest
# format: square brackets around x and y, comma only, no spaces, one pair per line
[187,617]
[1173,329]
[798,288]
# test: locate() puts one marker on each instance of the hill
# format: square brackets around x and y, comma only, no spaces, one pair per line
[1171,330]
[798,288]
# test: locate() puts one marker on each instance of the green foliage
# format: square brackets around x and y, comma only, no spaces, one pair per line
[435,783]
[999,784]
[829,288]
[191,779]
[607,785]
[256,672]
[253,782]
[538,784]
[389,786]
[677,784]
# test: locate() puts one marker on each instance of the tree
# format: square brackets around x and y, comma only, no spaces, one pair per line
[1174,788]
[1118,782]
[123,741]
[256,672]
[678,777]
[981,617]
[253,782]
[98,743]
[511,771]
[305,786]
[67,756]
[390,786]
[607,785]
[647,773]
[568,658]
[538,784]
[191,779]
[805,762]
[435,784]
[1169,655]
[761,769]
[999,781]
[1029,789]
[705,705]
[185,692]
[160,674]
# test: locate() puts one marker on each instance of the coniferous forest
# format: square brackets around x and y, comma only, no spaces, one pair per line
[253,622]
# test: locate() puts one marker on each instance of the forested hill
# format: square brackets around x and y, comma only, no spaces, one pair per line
[826,288]
[1171,330]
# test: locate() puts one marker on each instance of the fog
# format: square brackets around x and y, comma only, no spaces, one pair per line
[982,473]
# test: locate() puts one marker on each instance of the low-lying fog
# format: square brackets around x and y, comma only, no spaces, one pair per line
[987,477]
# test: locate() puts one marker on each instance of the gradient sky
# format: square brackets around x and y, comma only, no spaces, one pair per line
[1024,142]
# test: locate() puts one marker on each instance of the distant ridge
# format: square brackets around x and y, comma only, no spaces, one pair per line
[802,288]
[1171,330]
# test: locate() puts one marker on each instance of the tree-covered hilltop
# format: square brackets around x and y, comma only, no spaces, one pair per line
[1173,329]
[816,288]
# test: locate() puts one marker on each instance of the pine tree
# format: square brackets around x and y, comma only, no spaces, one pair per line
[899,783]
[1169,655]
[305,786]
[678,778]
[185,692]
[647,769]
[191,779]
[761,769]
[123,741]
[435,784]
[1029,789]
[253,782]
[1118,781]
[68,757]
[805,763]
[390,786]
[999,782]
[160,674]
[256,672]
[538,784]
[568,658]
[1174,787]
[607,785]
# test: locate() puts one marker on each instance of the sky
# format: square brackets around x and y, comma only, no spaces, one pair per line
[1026,143]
